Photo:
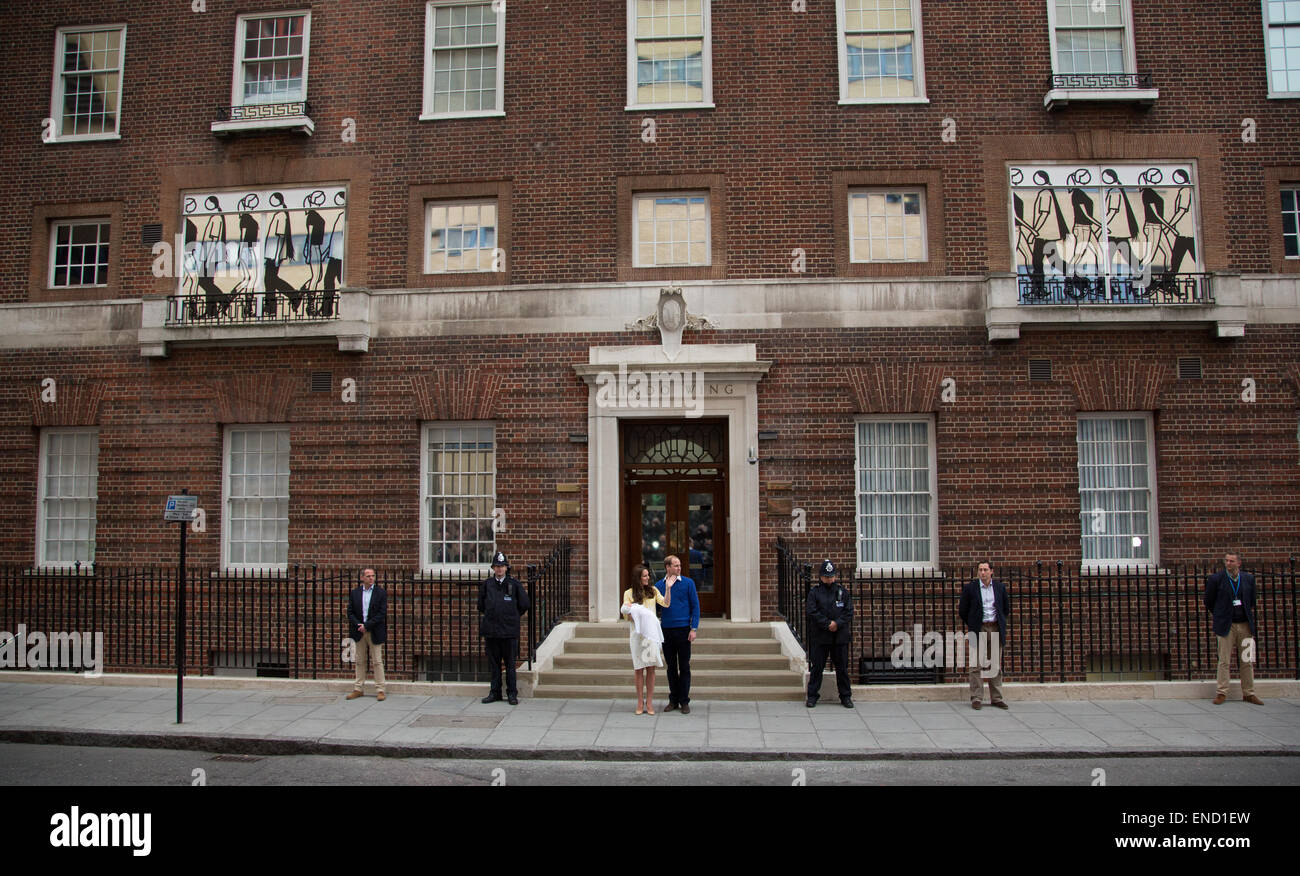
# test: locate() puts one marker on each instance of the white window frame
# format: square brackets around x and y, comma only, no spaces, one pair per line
[54,238]
[429,207]
[1295,192]
[1269,26]
[425,496]
[918,59]
[1127,43]
[226,519]
[56,87]
[706,64]
[1153,506]
[638,197]
[931,433]
[41,497]
[870,190]
[427,112]
[237,75]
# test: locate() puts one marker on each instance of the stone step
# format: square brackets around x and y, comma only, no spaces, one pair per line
[699,693]
[708,630]
[728,661]
[622,677]
[618,659]
[619,645]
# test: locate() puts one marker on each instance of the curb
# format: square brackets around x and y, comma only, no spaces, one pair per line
[258,745]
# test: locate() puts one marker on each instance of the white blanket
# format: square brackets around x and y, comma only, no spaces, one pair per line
[644,622]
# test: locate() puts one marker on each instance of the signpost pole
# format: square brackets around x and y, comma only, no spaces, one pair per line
[180,625]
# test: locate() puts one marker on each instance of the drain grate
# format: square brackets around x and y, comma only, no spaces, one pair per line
[235,758]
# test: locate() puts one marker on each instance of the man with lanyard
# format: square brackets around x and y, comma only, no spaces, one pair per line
[1230,599]
[830,619]
[985,610]
[501,601]
[679,622]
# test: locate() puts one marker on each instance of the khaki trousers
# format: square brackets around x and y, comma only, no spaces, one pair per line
[976,682]
[367,651]
[1228,644]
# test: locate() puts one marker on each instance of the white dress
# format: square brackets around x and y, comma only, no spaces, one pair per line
[646,637]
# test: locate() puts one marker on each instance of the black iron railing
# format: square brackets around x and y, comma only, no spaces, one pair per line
[291,624]
[252,308]
[1101,80]
[1066,625]
[1159,288]
[549,593]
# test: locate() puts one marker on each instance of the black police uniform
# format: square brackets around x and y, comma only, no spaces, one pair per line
[501,605]
[828,603]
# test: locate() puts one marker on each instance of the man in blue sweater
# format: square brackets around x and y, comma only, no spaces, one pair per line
[680,621]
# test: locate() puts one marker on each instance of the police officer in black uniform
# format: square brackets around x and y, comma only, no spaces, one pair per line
[830,615]
[501,601]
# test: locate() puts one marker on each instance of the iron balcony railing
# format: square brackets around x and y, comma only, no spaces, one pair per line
[1065,625]
[1101,81]
[252,308]
[1159,289]
[290,625]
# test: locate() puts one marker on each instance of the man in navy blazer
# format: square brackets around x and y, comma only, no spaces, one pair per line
[985,609]
[368,627]
[1230,598]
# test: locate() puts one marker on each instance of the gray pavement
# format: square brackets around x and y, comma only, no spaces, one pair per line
[292,721]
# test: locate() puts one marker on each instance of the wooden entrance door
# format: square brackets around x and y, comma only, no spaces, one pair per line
[675,502]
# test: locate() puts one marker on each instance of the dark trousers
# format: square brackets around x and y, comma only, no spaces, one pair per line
[677,654]
[817,665]
[497,651]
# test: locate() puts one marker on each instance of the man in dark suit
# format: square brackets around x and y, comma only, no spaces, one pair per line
[1230,598]
[830,629]
[984,609]
[368,627]
[502,600]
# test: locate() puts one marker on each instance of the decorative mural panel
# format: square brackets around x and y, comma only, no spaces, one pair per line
[260,252]
[1116,227]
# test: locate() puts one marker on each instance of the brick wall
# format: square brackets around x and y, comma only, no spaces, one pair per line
[776,138]
[1228,471]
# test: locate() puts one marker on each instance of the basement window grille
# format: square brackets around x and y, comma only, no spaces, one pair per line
[1040,369]
[322,381]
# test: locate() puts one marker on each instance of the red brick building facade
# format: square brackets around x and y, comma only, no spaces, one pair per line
[846,193]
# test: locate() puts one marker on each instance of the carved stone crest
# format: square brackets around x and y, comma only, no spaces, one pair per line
[671,319]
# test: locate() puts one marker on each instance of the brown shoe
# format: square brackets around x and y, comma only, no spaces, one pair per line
[1000,704]
[1252,699]
[686,710]
[380,696]
[1220,700]
[975,704]
[354,695]
[671,707]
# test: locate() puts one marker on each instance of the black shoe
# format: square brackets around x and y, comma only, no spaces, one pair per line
[847,702]
[513,700]
[811,703]
[686,709]
[671,707]
[492,698]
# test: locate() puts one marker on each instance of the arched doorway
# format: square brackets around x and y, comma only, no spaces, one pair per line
[674,482]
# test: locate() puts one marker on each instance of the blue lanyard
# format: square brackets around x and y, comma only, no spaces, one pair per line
[1236,585]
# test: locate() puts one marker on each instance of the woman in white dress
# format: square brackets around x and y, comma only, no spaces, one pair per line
[646,637]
